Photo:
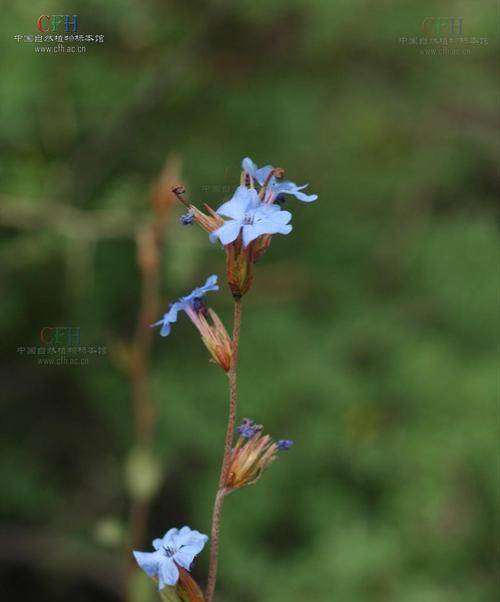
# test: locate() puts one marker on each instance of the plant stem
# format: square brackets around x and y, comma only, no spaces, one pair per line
[226,461]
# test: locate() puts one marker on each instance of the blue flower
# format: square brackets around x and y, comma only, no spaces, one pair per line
[275,186]
[191,303]
[247,428]
[251,217]
[284,444]
[176,548]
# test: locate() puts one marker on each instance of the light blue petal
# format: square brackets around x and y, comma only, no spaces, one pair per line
[280,217]
[149,562]
[169,538]
[183,531]
[169,318]
[267,226]
[259,174]
[190,538]
[157,543]
[165,329]
[307,198]
[237,206]
[189,543]
[277,187]
[185,557]
[253,231]
[288,187]
[211,284]
[232,210]
[266,209]
[249,166]
[284,229]
[228,232]
[168,573]
[253,200]
[262,173]
[175,308]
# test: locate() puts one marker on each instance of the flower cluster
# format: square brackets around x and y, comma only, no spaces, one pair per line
[252,454]
[252,216]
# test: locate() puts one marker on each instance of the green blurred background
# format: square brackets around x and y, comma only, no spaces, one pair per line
[368,336]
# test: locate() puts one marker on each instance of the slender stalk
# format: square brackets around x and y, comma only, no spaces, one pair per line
[226,461]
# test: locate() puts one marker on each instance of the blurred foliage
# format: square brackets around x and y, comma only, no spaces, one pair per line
[368,336]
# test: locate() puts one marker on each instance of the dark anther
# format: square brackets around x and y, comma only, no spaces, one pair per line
[199,305]
[186,219]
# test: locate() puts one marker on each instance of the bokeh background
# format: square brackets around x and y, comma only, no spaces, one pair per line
[368,336]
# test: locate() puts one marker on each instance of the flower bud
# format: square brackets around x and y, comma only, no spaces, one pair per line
[252,454]
[214,335]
